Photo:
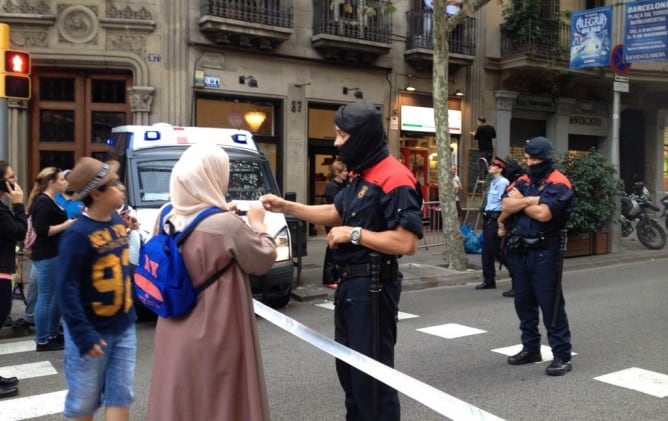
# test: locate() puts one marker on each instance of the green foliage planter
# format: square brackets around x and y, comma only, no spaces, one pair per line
[596,186]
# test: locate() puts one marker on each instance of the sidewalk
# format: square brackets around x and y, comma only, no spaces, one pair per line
[425,268]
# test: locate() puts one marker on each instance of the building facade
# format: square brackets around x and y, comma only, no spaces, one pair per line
[281,68]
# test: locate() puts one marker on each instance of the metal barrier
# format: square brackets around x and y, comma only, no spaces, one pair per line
[432,225]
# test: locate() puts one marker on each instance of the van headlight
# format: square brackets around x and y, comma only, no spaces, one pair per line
[282,240]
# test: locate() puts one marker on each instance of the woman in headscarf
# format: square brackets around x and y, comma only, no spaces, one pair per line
[207,365]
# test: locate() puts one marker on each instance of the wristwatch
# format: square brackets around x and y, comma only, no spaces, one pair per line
[356,235]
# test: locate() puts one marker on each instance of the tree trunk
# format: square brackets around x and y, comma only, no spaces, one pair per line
[454,255]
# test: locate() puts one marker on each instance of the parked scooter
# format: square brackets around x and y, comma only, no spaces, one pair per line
[634,207]
[664,212]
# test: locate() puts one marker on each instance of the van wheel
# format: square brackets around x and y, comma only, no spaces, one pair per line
[279,302]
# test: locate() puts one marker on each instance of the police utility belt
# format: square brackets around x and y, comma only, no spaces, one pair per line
[491,214]
[387,271]
[520,243]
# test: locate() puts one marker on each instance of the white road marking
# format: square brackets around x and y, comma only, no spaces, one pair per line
[32,406]
[29,370]
[451,330]
[545,352]
[329,305]
[16,347]
[641,380]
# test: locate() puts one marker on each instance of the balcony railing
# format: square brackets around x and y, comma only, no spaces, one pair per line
[420,25]
[547,38]
[357,19]
[266,12]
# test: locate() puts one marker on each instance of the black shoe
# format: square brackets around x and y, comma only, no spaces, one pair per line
[485,285]
[509,293]
[525,357]
[8,392]
[559,367]
[8,381]
[60,338]
[52,345]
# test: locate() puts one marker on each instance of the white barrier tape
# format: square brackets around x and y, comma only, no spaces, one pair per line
[425,394]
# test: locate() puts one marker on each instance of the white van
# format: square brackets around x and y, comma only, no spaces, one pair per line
[147,155]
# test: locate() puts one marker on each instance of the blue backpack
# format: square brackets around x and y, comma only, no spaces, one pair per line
[161,279]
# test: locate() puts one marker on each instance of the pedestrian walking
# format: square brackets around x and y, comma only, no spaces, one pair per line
[491,241]
[207,365]
[541,201]
[13,226]
[49,221]
[95,297]
[378,212]
[337,182]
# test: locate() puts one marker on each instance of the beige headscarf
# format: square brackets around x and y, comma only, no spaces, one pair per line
[199,180]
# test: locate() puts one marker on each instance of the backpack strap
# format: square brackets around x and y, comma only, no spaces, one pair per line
[181,237]
[213,278]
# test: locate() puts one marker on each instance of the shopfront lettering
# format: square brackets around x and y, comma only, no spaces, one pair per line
[586,121]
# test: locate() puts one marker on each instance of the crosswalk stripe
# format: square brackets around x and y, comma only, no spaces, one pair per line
[329,305]
[32,406]
[29,370]
[16,347]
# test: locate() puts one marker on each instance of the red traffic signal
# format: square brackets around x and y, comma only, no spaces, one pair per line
[17,62]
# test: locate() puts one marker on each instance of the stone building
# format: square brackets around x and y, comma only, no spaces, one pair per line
[280,68]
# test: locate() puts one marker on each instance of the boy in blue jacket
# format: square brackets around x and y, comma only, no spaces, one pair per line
[94,293]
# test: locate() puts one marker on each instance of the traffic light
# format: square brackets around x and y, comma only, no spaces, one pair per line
[15,75]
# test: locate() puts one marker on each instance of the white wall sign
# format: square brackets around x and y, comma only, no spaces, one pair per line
[421,119]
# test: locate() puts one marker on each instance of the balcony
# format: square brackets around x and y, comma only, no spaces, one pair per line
[537,40]
[351,30]
[259,24]
[419,47]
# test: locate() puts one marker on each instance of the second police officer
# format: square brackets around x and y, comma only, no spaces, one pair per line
[541,201]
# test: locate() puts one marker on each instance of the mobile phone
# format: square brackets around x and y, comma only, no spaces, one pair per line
[3,186]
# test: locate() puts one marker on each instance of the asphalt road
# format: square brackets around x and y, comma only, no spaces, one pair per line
[617,317]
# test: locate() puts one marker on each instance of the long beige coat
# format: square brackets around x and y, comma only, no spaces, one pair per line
[207,366]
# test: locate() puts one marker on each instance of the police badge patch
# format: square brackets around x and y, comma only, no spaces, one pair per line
[362,192]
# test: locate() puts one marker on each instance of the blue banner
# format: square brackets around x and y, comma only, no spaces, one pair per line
[646,31]
[590,37]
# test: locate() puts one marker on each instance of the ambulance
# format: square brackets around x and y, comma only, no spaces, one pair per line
[147,155]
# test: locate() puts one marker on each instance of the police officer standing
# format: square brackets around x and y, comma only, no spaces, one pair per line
[378,212]
[490,238]
[541,201]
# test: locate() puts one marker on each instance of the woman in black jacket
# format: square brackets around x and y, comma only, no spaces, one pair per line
[49,220]
[13,226]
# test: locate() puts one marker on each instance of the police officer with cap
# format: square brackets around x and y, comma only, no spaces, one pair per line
[377,212]
[490,238]
[541,202]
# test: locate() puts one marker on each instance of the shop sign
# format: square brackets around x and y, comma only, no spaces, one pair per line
[588,125]
[421,119]
[535,103]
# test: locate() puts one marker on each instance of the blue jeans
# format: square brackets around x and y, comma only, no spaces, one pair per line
[31,296]
[47,311]
[104,381]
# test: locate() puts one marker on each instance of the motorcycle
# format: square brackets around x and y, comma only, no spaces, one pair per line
[635,207]
[664,213]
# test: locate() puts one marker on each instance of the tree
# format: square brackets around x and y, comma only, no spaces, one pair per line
[454,255]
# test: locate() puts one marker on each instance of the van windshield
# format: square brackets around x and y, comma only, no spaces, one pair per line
[249,179]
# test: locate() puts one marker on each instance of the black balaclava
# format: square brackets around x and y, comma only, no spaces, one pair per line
[540,148]
[367,142]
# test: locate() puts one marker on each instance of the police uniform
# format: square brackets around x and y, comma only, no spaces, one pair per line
[533,256]
[381,196]
[490,237]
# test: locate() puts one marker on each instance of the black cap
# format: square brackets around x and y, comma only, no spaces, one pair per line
[539,147]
